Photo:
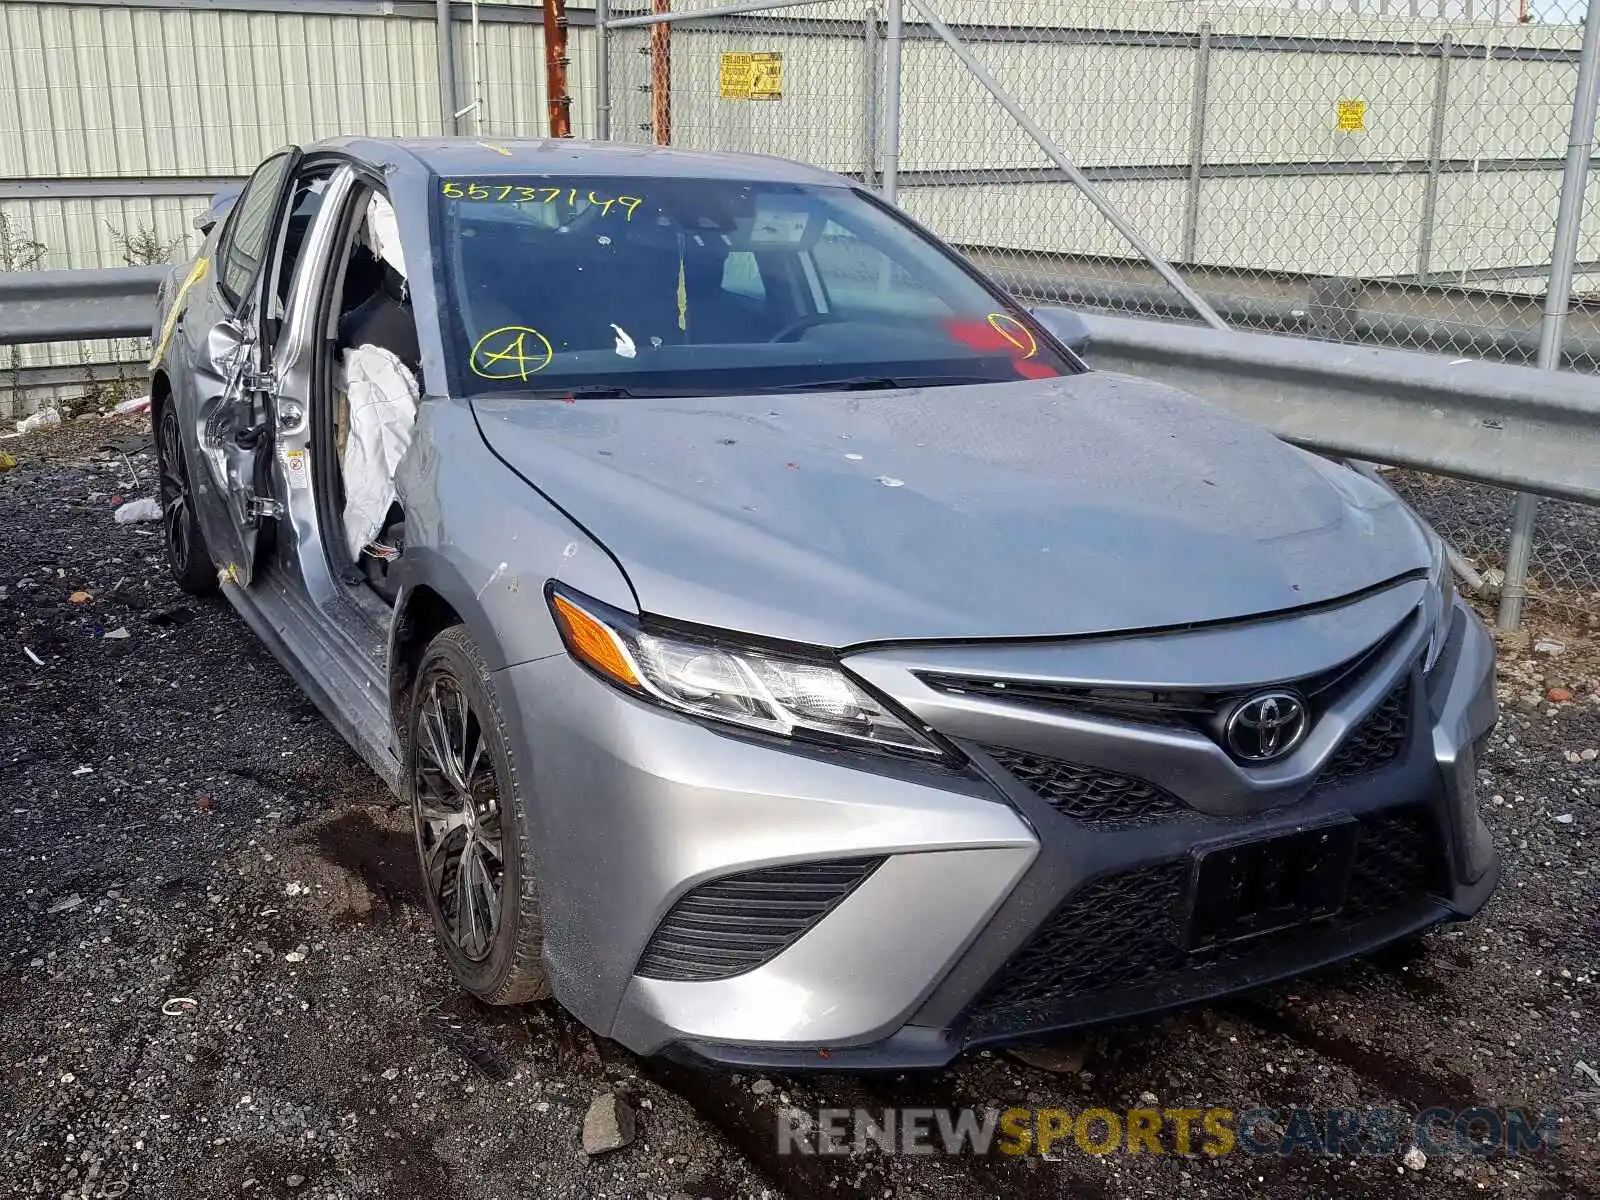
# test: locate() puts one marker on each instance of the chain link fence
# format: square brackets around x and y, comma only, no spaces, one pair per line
[1385,173]
[1380,172]
[1564,567]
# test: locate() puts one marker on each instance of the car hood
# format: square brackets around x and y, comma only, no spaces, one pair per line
[1086,504]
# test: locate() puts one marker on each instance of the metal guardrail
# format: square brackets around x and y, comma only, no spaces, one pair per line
[64,306]
[1398,313]
[1515,427]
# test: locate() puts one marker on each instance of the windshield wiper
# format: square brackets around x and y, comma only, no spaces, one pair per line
[867,383]
[588,391]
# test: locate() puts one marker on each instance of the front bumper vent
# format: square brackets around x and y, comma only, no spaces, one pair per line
[1119,932]
[735,924]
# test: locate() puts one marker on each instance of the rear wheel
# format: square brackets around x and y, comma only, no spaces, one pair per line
[477,868]
[187,556]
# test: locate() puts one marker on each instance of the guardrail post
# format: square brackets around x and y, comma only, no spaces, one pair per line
[1335,303]
[1557,297]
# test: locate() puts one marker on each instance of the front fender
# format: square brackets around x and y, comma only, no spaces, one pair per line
[486,542]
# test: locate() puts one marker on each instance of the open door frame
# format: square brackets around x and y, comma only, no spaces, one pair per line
[236,390]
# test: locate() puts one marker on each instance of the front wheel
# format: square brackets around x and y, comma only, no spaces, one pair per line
[477,866]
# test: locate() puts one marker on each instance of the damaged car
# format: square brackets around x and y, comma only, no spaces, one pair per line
[790,652]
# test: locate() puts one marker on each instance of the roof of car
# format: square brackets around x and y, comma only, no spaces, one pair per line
[489,156]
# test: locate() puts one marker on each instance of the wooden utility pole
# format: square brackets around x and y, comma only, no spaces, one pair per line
[558,102]
[661,76]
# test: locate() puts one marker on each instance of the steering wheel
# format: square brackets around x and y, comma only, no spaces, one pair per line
[795,328]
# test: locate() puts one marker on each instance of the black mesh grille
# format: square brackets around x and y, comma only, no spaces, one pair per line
[1088,793]
[734,924]
[1375,742]
[1106,798]
[1120,931]
[1199,709]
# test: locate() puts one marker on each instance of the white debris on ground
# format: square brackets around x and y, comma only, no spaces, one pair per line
[143,509]
[42,419]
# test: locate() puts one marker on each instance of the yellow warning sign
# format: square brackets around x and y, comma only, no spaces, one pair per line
[1352,116]
[757,76]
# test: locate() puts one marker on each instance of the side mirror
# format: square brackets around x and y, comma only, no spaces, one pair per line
[1067,326]
[218,208]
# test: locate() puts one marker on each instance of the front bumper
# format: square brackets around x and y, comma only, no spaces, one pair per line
[985,894]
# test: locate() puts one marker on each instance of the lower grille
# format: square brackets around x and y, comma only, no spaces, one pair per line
[1089,793]
[1120,931]
[734,924]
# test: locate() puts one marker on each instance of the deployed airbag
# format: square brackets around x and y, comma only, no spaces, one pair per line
[382,395]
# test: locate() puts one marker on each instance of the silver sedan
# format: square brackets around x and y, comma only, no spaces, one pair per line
[791,653]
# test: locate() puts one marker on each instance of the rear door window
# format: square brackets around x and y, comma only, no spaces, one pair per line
[245,241]
[861,280]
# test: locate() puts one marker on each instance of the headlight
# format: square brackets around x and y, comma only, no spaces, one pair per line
[1441,601]
[724,681]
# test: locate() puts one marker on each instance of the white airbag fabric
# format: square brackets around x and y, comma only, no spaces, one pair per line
[383,231]
[382,395]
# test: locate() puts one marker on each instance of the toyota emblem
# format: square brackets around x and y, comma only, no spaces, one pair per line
[1266,727]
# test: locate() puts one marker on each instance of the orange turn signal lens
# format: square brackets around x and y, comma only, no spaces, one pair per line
[592,642]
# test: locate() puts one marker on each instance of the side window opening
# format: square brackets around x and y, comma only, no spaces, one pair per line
[304,205]
[376,305]
[741,275]
[859,277]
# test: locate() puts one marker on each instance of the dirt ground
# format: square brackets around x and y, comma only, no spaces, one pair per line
[216,979]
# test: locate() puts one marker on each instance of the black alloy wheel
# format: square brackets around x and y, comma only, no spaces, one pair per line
[477,868]
[187,556]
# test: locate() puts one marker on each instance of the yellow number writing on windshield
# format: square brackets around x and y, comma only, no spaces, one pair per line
[456,189]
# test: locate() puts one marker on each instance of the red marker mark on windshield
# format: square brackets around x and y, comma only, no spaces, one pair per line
[1003,334]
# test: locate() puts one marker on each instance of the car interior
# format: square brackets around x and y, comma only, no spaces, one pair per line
[368,310]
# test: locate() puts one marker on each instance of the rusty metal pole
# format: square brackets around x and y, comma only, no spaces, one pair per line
[661,76]
[557,101]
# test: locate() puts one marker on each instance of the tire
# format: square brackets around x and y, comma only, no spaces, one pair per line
[187,557]
[472,844]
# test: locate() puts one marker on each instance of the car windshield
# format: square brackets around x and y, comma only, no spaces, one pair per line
[648,287]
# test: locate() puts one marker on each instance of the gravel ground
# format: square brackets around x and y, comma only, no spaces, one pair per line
[217,979]
[1564,559]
